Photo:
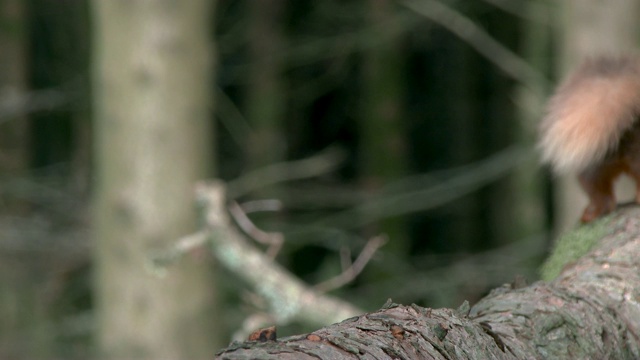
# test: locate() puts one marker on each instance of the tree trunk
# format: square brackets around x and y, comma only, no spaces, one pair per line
[21,306]
[382,144]
[152,80]
[265,101]
[590,311]
[527,192]
[14,141]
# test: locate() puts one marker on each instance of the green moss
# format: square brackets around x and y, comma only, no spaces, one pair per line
[573,245]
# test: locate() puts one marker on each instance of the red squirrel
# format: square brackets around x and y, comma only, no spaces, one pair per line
[591,127]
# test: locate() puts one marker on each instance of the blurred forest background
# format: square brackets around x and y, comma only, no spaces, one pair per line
[331,122]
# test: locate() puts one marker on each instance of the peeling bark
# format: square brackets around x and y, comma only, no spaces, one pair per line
[590,311]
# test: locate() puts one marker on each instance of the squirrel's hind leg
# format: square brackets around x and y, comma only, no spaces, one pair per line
[629,154]
[634,172]
[597,182]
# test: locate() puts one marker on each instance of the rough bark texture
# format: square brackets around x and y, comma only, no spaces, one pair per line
[590,311]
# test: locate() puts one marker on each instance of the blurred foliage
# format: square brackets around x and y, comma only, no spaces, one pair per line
[457,127]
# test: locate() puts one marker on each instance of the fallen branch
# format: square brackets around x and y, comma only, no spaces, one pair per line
[590,311]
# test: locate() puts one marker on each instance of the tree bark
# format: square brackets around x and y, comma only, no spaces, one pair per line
[590,311]
[152,82]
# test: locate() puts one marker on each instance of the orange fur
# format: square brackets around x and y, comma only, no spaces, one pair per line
[590,112]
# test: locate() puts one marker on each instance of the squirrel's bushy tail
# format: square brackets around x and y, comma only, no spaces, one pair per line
[590,111]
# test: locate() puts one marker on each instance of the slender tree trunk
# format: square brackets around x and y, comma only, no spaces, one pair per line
[20,306]
[383,138]
[265,97]
[528,186]
[152,87]
[14,141]
[81,112]
[463,107]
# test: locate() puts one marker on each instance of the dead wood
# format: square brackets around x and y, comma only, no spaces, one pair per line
[591,310]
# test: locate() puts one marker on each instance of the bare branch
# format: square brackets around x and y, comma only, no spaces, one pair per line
[434,194]
[461,26]
[261,205]
[231,117]
[326,161]
[159,261]
[345,259]
[288,297]
[14,103]
[352,271]
[535,10]
[273,239]
[589,311]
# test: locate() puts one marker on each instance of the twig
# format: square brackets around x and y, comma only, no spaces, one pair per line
[434,194]
[479,39]
[326,161]
[191,242]
[261,205]
[534,11]
[287,296]
[345,259]
[309,51]
[231,117]
[353,270]
[273,239]
[179,248]
[15,103]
